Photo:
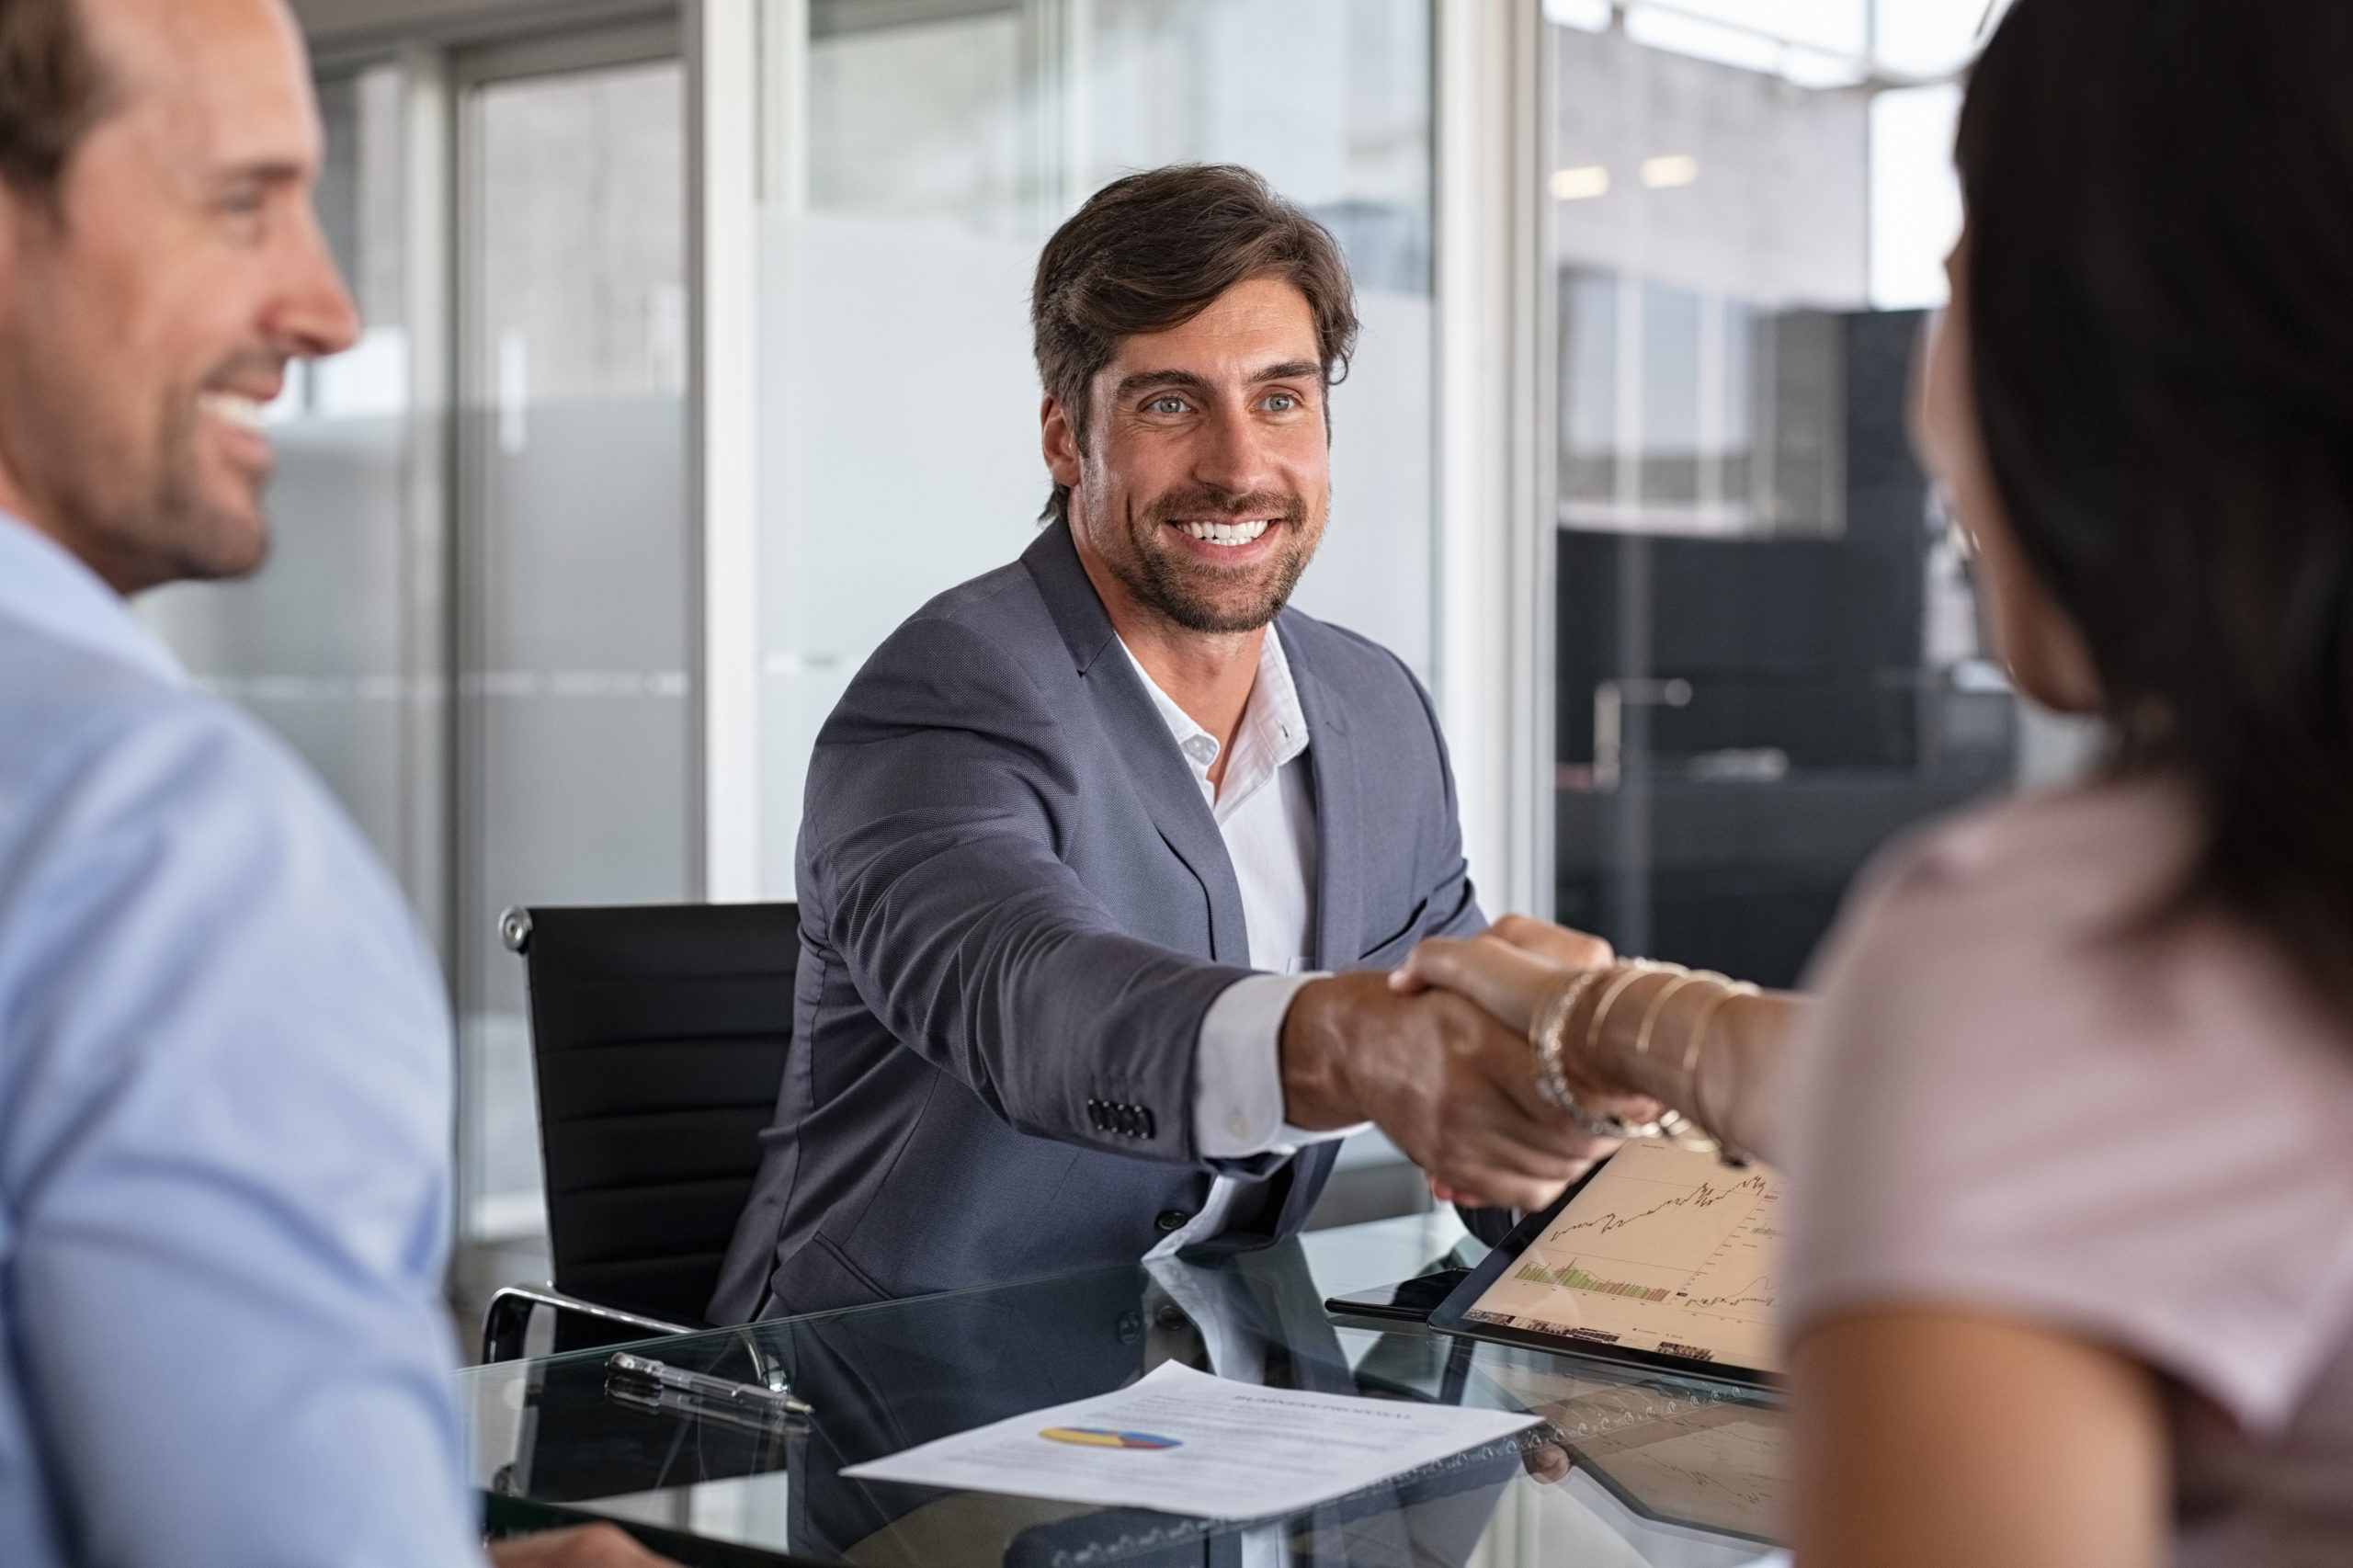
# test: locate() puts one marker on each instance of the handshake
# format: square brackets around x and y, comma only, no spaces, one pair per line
[1442,1055]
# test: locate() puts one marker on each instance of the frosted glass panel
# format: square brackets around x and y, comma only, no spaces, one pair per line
[575,695]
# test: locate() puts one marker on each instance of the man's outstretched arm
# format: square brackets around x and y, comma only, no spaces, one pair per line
[933,875]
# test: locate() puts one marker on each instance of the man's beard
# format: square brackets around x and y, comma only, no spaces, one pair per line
[154,518]
[1184,590]
[204,541]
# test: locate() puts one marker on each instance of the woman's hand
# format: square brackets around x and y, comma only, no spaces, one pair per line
[1498,977]
[1510,970]
[1556,945]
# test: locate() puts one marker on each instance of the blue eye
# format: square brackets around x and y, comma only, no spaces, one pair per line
[1282,403]
[1168,405]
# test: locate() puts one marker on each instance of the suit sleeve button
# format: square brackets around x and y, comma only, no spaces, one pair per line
[1172,1221]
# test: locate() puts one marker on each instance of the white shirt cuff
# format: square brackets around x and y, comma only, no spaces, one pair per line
[1238,1072]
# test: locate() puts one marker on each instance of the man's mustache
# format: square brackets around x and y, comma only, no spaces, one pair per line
[1204,503]
[248,365]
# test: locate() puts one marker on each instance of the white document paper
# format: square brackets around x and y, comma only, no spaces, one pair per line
[1183,1442]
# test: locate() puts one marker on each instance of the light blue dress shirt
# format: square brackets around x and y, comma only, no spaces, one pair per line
[225,1082]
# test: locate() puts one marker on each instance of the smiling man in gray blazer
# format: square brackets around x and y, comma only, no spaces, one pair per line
[1099,878]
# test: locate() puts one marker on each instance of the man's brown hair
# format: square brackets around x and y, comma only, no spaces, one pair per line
[1150,251]
[51,92]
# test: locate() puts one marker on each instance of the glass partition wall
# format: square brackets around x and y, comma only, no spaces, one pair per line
[1765,640]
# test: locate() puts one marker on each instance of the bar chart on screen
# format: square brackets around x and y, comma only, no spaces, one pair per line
[1664,1250]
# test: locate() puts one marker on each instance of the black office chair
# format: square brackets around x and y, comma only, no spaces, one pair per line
[658,1036]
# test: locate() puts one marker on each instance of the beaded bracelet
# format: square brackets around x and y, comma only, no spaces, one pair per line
[1545,1036]
[1548,1036]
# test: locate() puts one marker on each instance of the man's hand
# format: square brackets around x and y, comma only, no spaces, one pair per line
[589,1546]
[1454,1089]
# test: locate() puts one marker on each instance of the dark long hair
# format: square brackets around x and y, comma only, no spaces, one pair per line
[2161,278]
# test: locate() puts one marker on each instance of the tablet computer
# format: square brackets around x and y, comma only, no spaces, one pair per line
[1660,1256]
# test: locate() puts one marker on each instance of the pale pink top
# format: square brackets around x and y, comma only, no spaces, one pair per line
[2011,1100]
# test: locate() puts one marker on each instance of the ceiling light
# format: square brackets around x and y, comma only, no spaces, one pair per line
[1666,172]
[1581,183]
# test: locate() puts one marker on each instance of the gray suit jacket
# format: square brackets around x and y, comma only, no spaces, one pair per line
[1016,908]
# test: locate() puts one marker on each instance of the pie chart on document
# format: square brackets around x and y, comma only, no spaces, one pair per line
[1105,1438]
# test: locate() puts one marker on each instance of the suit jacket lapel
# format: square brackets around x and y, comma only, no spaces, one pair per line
[1163,782]
[1339,818]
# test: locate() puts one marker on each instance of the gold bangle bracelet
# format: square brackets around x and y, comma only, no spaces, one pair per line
[1674,1126]
[1726,989]
[1659,1004]
[1687,1134]
[1628,972]
[1726,1149]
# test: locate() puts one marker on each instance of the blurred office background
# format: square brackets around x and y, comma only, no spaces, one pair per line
[696,358]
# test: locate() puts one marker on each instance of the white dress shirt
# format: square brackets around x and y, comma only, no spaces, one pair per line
[1265,814]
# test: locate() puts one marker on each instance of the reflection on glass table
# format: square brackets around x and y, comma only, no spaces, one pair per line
[1631,1468]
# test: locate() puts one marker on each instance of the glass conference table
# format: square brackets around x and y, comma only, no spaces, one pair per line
[1632,1467]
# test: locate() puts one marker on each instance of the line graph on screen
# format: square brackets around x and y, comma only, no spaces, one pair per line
[1663,1250]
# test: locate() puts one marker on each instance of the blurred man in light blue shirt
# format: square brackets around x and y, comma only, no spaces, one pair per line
[225,1068]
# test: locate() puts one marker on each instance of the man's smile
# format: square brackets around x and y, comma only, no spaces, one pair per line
[1229,534]
[239,410]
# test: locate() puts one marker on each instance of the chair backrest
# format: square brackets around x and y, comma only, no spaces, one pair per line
[658,1034]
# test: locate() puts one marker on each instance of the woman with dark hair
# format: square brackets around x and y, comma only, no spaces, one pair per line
[2069,1120]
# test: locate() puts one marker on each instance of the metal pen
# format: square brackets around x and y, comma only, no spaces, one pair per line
[751,1397]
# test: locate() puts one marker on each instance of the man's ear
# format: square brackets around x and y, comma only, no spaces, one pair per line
[1059,440]
[31,226]
[15,213]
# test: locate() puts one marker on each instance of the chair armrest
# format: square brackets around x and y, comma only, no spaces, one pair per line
[508,1318]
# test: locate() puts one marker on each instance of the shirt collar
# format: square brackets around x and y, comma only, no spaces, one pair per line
[1272,734]
[47,586]
[1274,713]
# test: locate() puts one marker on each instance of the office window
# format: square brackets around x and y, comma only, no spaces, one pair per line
[918,156]
[1766,652]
